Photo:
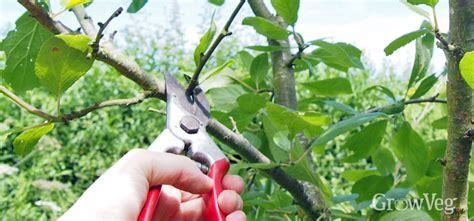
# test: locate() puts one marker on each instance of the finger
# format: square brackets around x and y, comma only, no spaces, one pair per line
[229,201]
[164,168]
[193,209]
[168,203]
[236,216]
[233,182]
[186,196]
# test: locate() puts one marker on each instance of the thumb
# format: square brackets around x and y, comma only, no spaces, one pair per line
[171,169]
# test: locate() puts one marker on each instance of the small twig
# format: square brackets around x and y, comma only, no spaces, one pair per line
[442,40]
[202,62]
[117,102]
[234,125]
[435,19]
[74,115]
[23,104]
[413,101]
[102,26]
[162,112]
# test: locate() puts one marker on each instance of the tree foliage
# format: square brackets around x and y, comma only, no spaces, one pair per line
[352,137]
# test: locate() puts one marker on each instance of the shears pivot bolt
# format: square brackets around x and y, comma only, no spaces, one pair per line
[189,124]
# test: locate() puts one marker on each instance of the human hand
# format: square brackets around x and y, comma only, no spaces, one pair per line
[119,194]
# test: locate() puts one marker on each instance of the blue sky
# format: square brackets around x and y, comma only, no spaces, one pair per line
[368,24]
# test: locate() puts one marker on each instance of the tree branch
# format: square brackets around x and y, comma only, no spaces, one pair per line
[23,104]
[102,26]
[203,60]
[412,101]
[43,17]
[110,103]
[74,115]
[459,94]
[314,209]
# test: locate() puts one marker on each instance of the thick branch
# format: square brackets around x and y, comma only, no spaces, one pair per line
[203,60]
[241,145]
[458,150]
[43,17]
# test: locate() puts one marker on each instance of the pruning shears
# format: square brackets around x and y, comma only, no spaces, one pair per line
[186,120]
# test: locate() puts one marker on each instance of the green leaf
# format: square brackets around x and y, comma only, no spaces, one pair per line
[253,139]
[384,160]
[268,48]
[217,2]
[368,187]
[393,108]
[329,87]
[340,106]
[303,171]
[344,126]
[425,86]
[354,175]
[262,166]
[251,103]
[223,98]
[204,43]
[412,152]
[466,66]
[305,63]
[61,61]
[431,3]
[245,59]
[406,215]
[216,70]
[25,142]
[296,122]
[404,40]
[281,140]
[21,48]
[136,5]
[67,4]
[441,123]
[278,154]
[341,56]
[267,28]
[6,133]
[423,55]
[287,9]
[416,9]
[382,89]
[259,68]
[365,142]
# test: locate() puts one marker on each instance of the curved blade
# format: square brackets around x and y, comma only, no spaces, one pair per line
[196,105]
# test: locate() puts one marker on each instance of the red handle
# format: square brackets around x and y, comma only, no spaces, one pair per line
[212,211]
[216,172]
[150,204]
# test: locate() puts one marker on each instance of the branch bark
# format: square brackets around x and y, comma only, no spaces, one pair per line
[458,150]
[283,74]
